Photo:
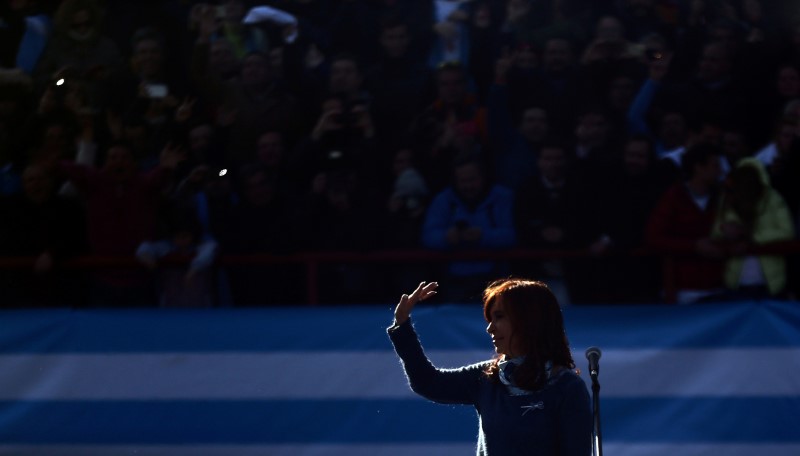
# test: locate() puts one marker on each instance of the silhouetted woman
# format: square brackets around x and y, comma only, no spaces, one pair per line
[529,400]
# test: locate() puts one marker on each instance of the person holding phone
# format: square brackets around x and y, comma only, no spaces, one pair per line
[529,399]
[471,214]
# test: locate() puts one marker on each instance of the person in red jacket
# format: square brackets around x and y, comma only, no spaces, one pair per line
[122,207]
[680,226]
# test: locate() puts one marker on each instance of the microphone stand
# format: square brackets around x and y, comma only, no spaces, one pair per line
[597,439]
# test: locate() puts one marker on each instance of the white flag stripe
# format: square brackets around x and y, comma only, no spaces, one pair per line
[701,449]
[432,449]
[765,372]
[617,449]
[700,372]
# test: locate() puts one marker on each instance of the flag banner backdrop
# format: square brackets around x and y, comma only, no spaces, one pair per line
[691,380]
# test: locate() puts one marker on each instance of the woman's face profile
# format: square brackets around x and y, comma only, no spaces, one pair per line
[502,332]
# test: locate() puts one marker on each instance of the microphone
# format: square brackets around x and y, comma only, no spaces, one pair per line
[593,355]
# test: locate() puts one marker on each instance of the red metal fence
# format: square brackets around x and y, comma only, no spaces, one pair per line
[313,260]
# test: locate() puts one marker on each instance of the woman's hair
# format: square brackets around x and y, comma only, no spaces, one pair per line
[538,327]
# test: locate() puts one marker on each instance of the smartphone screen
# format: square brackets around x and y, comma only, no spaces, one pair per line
[156,90]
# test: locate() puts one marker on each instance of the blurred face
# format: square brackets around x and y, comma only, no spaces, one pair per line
[534,125]
[339,190]
[345,77]
[270,149]
[395,41]
[637,157]
[609,28]
[526,57]
[710,171]
[714,64]
[450,85]
[119,162]
[517,8]
[234,10]
[56,139]
[402,161]
[81,27]
[552,163]
[673,130]
[639,7]
[592,130]
[258,190]
[16,5]
[711,134]
[200,137]
[276,60]
[469,182]
[147,58]
[621,93]
[502,332]
[557,55]
[789,82]
[221,56]
[785,137]
[334,105]
[255,70]
[724,35]
[734,146]
[483,16]
[36,184]
[136,136]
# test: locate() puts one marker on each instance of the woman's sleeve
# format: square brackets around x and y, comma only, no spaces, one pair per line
[575,420]
[776,224]
[446,386]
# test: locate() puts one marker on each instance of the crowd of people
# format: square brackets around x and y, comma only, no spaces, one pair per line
[182,129]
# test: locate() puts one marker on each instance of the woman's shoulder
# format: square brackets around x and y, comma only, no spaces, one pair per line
[565,377]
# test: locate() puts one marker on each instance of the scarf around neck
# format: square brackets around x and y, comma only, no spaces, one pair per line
[506,373]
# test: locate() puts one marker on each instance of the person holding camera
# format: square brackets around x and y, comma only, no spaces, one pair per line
[343,133]
[253,101]
[453,123]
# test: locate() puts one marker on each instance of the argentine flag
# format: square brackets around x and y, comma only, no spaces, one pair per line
[720,379]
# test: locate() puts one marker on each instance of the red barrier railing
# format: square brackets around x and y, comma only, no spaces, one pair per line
[313,260]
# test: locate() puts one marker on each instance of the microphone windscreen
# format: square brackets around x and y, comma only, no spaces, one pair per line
[593,351]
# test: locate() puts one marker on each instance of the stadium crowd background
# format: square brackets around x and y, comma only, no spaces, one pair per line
[151,130]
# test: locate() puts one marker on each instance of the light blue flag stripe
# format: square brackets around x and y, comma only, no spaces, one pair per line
[442,327]
[296,375]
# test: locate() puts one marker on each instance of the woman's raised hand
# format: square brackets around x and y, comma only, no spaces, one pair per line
[407,302]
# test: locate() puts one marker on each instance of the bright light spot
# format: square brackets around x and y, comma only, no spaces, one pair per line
[60,82]
[223,172]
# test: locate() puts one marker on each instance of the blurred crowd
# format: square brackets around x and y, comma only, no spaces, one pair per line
[178,129]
